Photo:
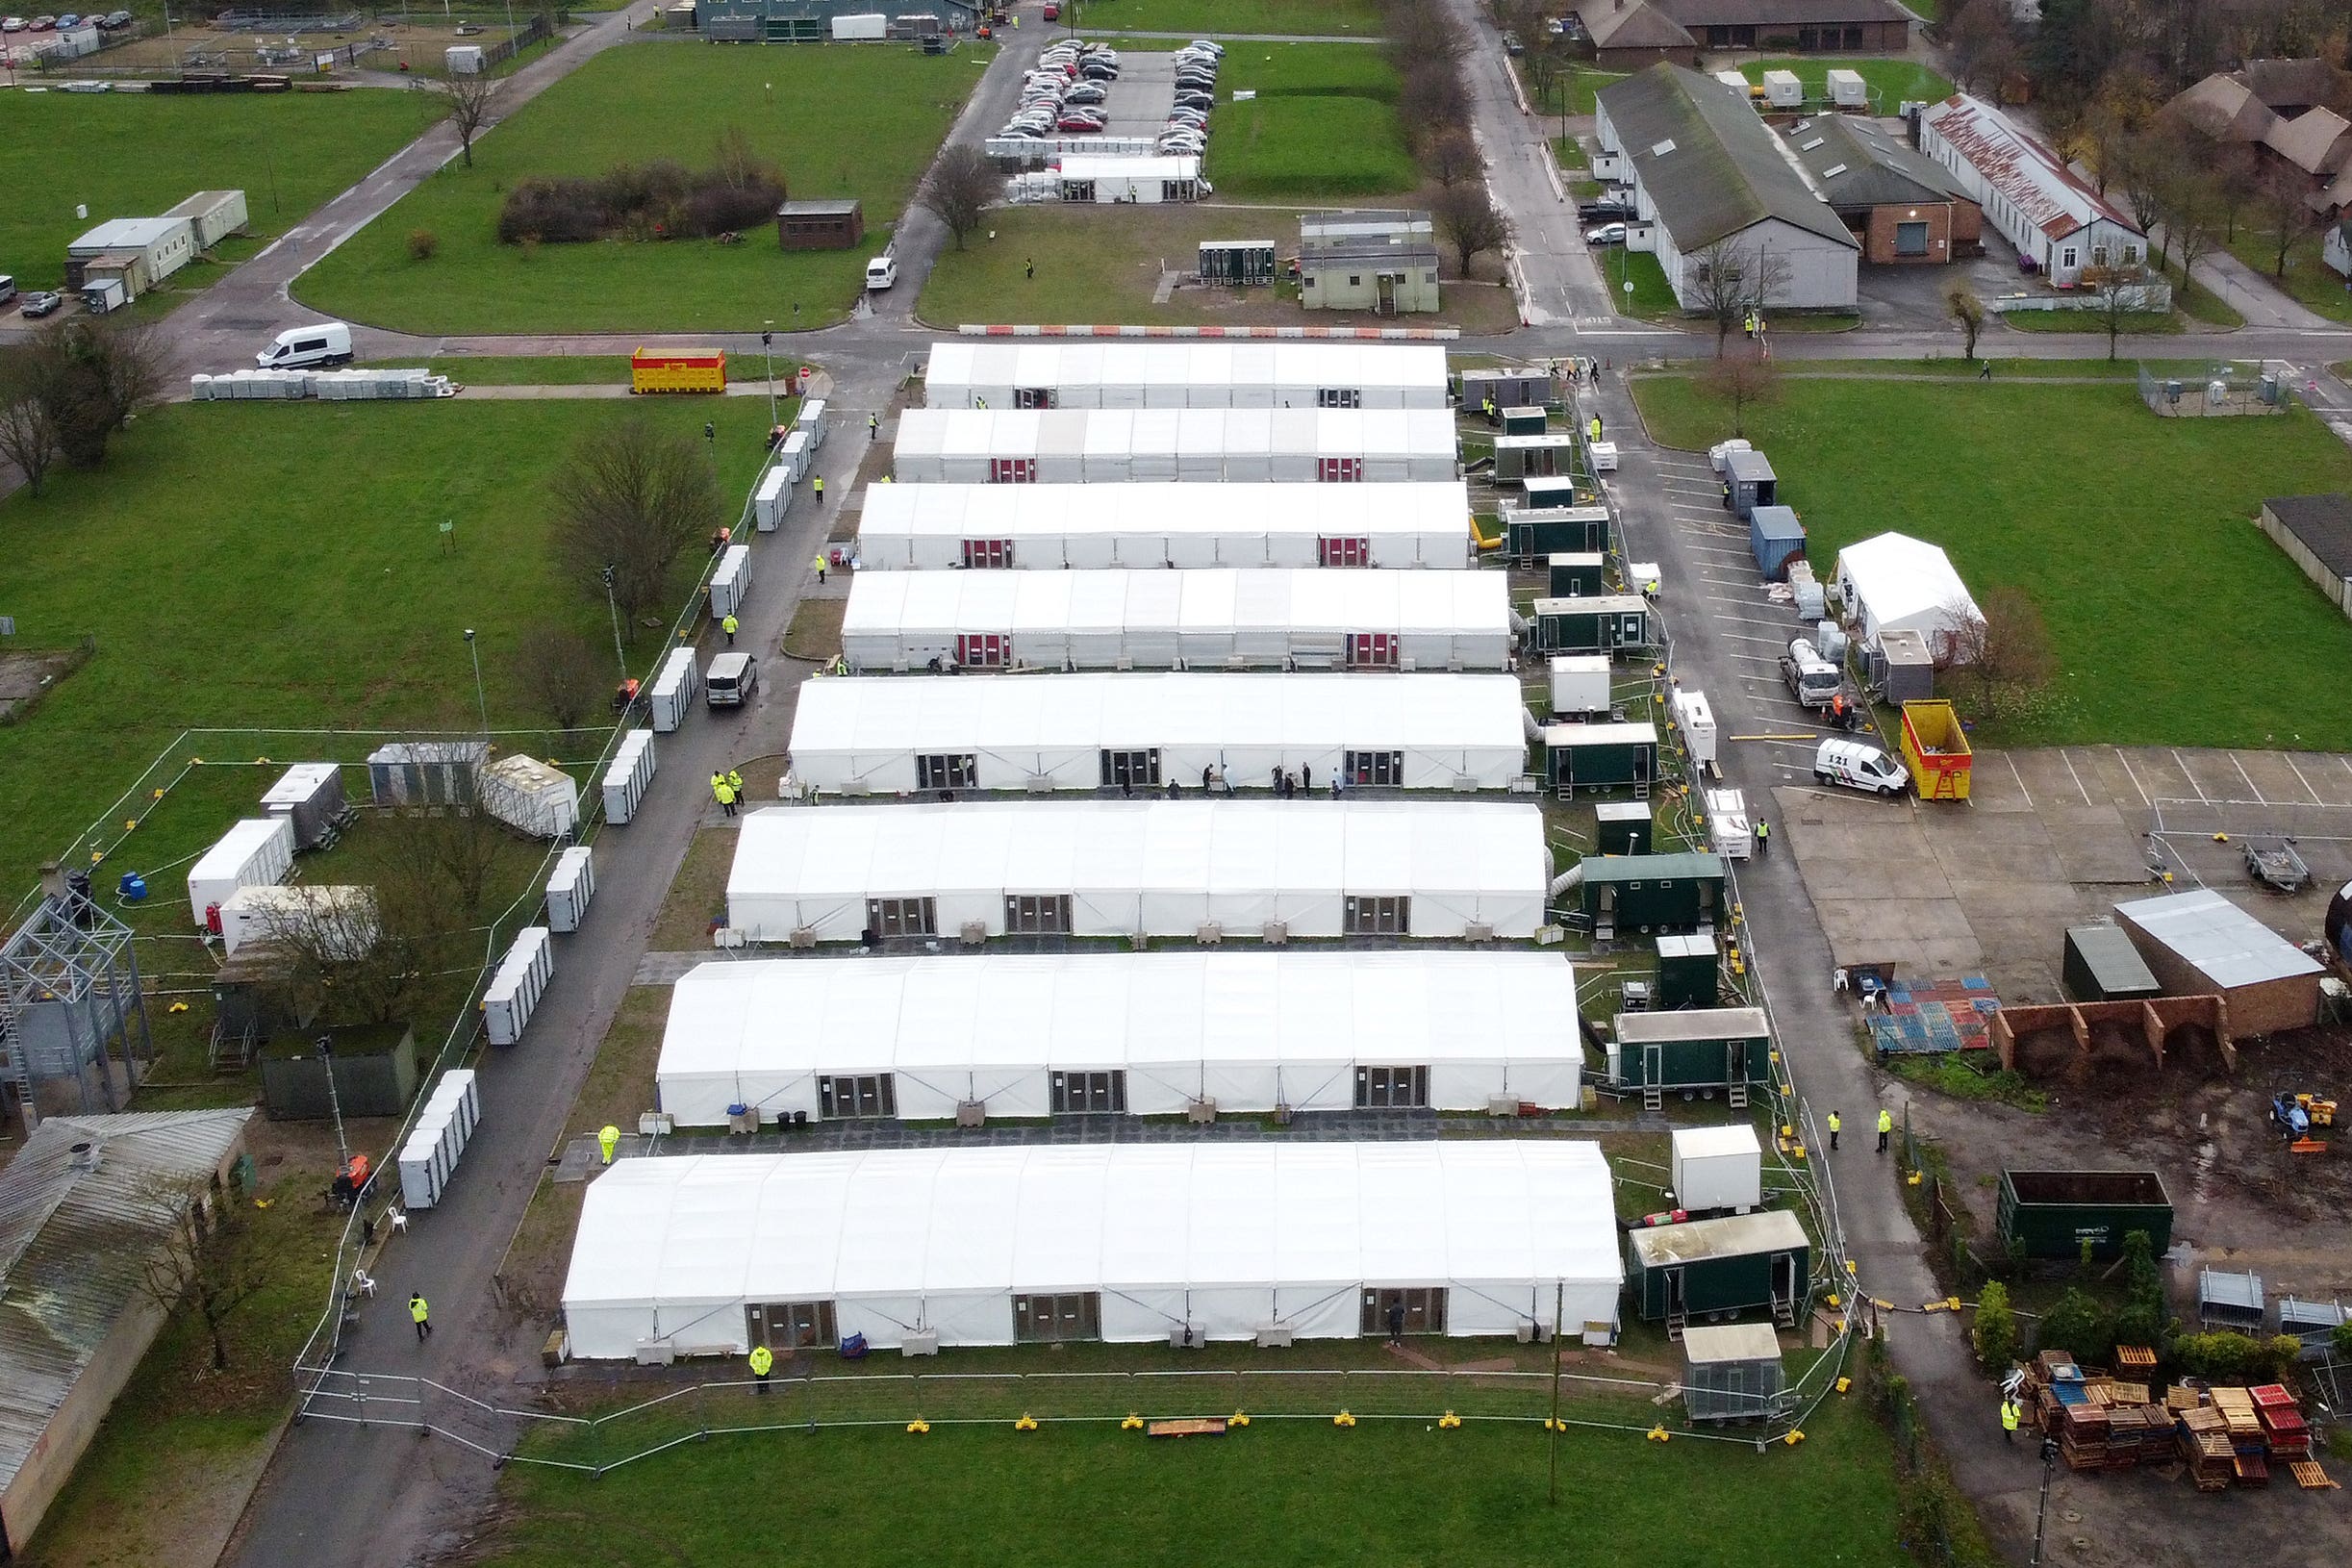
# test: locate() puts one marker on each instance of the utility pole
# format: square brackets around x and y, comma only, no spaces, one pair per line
[614,605]
[335,1103]
[474,649]
[768,348]
[2041,1513]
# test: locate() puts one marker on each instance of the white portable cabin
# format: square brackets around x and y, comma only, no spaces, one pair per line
[1054,527]
[886,735]
[810,422]
[531,796]
[676,689]
[770,500]
[1157,868]
[570,887]
[1117,181]
[627,780]
[256,853]
[1697,721]
[338,924]
[1783,90]
[438,1137]
[1848,89]
[1210,619]
[1137,1034]
[917,1249]
[1729,828]
[1084,373]
[792,458]
[1718,1167]
[992,445]
[1580,684]
[310,794]
[514,991]
[731,581]
[1893,582]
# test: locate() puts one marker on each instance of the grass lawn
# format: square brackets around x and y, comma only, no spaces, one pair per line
[1323,125]
[2309,281]
[531,369]
[1276,1494]
[1221,18]
[884,111]
[2199,303]
[1578,83]
[302,584]
[133,155]
[1891,82]
[2091,323]
[2003,370]
[2110,518]
[1652,296]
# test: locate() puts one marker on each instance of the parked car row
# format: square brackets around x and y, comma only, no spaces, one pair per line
[72,19]
[1068,91]
[1186,133]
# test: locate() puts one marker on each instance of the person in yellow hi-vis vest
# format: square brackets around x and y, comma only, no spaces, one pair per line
[763,1362]
[1886,1127]
[2009,1420]
[420,1315]
[608,1139]
[1834,1125]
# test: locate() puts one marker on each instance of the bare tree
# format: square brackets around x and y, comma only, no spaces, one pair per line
[1982,31]
[210,1261]
[467,101]
[1733,283]
[2280,208]
[1470,218]
[2234,177]
[1999,655]
[961,183]
[29,439]
[1452,157]
[2114,306]
[628,502]
[2144,166]
[2190,202]
[458,850]
[562,673]
[1961,304]
[1741,380]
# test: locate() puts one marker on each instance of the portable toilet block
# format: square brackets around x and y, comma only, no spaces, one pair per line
[1906,671]
[1731,1371]
[570,887]
[1749,482]
[1777,538]
[1600,757]
[631,771]
[792,457]
[1848,89]
[1652,893]
[731,581]
[1580,685]
[676,689]
[1697,723]
[1717,1170]
[1707,1267]
[1535,533]
[770,501]
[810,422]
[1622,827]
[1691,1051]
[256,853]
[1689,970]
[310,794]
[1575,575]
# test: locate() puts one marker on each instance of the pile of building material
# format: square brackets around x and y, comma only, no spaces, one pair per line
[2226,1437]
[329,385]
[2100,1424]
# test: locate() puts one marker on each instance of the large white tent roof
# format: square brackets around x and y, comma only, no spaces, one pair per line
[1425,433]
[1905,582]
[1205,374]
[1164,509]
[1293,602]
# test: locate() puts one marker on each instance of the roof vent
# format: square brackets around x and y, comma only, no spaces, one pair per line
[1662,148]
[1832,171]
[85,1156]
[1809,146]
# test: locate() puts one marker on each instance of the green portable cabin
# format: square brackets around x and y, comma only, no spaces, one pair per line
[2053,1213]
[1596,624]
[1544,455]
[1691,1049]
[2102,965]
[1600,757]
[1576,573]
[1535,531]
[1719,1268]
[374,1066]
[1622,827]
[1524,422]
[1650,893]
[1690,972]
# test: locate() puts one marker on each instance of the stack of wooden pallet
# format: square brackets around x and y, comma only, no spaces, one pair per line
[2284,1431]
[2205,1443]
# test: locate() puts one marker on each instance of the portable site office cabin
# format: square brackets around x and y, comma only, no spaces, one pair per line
[917,1249]
[1053,527]
[936,1038]
[1650,893]
[310,794]
[1196,446]
[1211,618]
[1594,624]
[1715,1268]
[1600,757]
[256,853]
[1575,575]
[1141,733]
[1547,455]
[1691,1049]
[1088,375]
[1122,868]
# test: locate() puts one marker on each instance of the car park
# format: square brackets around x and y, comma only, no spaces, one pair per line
[72,19]
[1608,234]
[41,303]
[1089,93]
[1079,121]
[11,24]
[41,24]
[115,19]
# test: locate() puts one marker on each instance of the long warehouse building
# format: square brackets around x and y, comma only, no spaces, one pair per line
[1249,1030]
[1152,868]
[1098,446]
[1054,527]
[924,1249]
[1142,732]
[1080,373]
[1213,618]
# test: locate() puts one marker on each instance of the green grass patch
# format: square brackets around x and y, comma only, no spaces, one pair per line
[133,154]
[1569,152]
[1956,368]
[1964,1078]
[2091,323]
[1223,19]
[539,369]
[1891,82]
[1651,297]
[839,122]
[302,584]
[2309,282]
[1323,125]
[1576,84]
[2042,488]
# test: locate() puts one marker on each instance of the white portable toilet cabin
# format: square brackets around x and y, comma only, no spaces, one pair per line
[1580,685]
[1697,723]
[731,581]
[1783,90]
[256,853]
[1848,89]
[674,690]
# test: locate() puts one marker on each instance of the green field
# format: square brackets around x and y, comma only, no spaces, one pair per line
[286,570]
[2124,528]
[1292,1493]
[1224,18]
[1323,125]
[2309,282]
[1652,296]
[839,122]
[539,369]
[1891,82]
[130,155]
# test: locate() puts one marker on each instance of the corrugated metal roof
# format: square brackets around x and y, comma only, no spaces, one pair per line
[2034,180]
[1724,173]
[2322,522]
[71,1243]
[2216,938]
[1735,1235]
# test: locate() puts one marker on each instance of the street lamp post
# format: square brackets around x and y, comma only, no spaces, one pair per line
[2041,1511]
[614,605]
[482,702]
[334,1104]
[768,348]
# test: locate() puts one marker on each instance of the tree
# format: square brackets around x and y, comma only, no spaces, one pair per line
[2280,208]
[1733,282]
[2114,306]
[2080,1327]
[1452,157]
[562,673]
[628,502]
[467,101]
[1979,34]
[2235,178]
[91,376]
[1999,655]
[1468,216]
[210,1260]
[1961,304]
[961,183]
[29,440]
[1995,1333]
[2191,201]
[2142,1318]
[1740,379]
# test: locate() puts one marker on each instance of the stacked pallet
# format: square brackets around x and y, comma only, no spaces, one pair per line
[2205,1443]
[2284,1431]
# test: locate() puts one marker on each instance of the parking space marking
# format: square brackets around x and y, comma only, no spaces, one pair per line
[2250,784]
[2191,777]
[2019,777]
[2289,759]
[2071,774]
[2144,802]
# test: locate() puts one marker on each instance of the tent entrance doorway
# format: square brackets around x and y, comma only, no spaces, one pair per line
[1128,770]
[1392,1088]
[902,917]
[856,1095]
[790,1325]
[1424,1311]
[1090,1094]
[1385,768]
[1037,914]
[1047,1320]
[1379,917]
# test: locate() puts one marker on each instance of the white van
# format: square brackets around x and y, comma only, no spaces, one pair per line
[732,679]
[7,288]
[329,342]
[1859,765]
[882,271]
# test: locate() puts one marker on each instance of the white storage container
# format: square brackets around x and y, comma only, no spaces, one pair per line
[1718,1168]
[531,796]
[1580,684]
[861,29]
[769,501]
[731,581]
[810,422]
[676,689]
[570,887]
[464,59]
[338,923]
[1726,824]
[257,853]
[515,989]
[626,781]
[1783,90]
[310,794]
[1697,724]
[1848,89]
[1721,453]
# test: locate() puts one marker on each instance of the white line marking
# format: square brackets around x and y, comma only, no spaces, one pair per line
[2289,756]
[2144,802]
[2250,784]
[2191,777]
[2071,774]
[2018,777]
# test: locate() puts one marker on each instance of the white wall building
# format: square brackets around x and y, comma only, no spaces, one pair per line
[1032,373]
[1068,447]
[1121,1033]
[917,1249]
[2028,192]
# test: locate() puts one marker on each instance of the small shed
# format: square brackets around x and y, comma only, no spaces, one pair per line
[1543,455]
[1778,538]
[1903,667]
[1650,893]
[375,1073]
[425,773]
[1716,1170]
[2199,945]
[1594,624]
[1531,420]
[1689,970]
[2101,965]
[821,225]
[2315,531]
[1732,1372]
[2230,1298]
[212,215]
[1749,482]
[1506,389]
[157,248]
[1576,573]
[1622,827]
[1691,1049]
[2053,1213]
[1534,533]
[1389,273]
[252,997]
[1580,684]
[1237,262]
[1600,757]
[1715,1268]
[534,799]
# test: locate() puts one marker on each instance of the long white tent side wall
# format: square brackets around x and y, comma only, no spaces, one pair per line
[1213,618]
[1050,527]
[1085,374]
[1069,447]
[1223,1239]
[864,734]
[1247,1028]
[1158,867]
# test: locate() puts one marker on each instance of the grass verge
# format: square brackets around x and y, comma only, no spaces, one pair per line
[1322,126]
[531,369]
[1224,18]
[701,890]
[2091,323]
[1651,296]
[2309,281]
[1891,82]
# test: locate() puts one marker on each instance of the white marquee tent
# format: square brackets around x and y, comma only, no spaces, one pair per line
[884,734]
[1212,618]
[984,1246]
[1897,583]
[1069,447]
[1090,374]
[1247,1028]
[1161,868]
[1155,525]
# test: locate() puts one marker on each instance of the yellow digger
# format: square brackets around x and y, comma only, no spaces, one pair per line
[2299,1117]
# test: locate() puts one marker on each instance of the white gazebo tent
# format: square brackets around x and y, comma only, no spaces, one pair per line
[881,734]
[1897,583]
[923,1249]
[1080,373]
[970,445]
[1157,868]
[1142,1034]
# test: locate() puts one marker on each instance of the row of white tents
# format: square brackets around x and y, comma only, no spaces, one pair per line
[1068,447]
[1085,374]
